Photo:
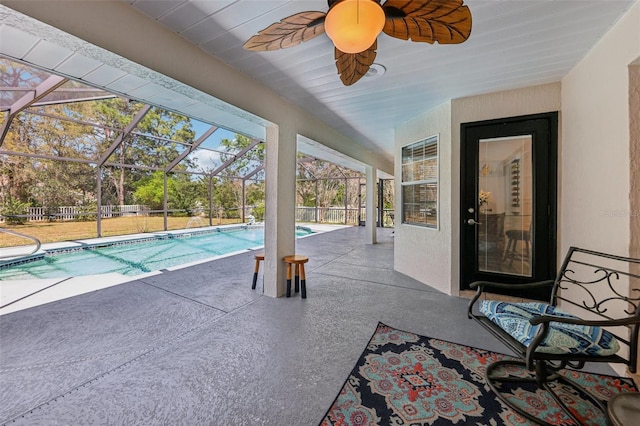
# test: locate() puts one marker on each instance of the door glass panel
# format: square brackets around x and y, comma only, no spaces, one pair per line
[505,206]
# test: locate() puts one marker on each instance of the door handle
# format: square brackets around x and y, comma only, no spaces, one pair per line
[473,222]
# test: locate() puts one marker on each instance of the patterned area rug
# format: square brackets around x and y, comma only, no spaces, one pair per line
[406,379]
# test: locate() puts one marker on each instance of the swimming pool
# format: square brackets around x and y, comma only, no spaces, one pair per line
[135,257]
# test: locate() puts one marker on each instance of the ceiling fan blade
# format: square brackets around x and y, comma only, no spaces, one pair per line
[429,21]
[289,32]
[353,66]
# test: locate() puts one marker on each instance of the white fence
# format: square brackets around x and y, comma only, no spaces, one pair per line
[328,215]
[341,215]
[338,215]
[39,214]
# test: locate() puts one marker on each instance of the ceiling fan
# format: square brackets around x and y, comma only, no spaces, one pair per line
[353,26]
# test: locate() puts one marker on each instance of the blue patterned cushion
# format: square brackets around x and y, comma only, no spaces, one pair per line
[562,338]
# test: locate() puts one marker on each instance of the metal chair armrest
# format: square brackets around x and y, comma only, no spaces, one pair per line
[601,323]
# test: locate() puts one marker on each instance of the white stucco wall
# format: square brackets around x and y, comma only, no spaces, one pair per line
[420,252]
[595,163]
[634,153]
[598,196]
[432,256]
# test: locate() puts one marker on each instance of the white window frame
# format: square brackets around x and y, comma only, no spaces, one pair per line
[435,140]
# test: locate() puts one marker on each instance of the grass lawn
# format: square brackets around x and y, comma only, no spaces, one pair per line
[49,232]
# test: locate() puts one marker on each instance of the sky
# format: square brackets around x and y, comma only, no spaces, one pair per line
[208,159]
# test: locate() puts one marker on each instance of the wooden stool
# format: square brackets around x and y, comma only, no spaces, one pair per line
[259,257]
[301,278]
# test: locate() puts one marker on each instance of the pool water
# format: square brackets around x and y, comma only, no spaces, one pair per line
[134,258]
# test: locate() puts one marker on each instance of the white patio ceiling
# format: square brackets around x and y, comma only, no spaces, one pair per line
[514,43]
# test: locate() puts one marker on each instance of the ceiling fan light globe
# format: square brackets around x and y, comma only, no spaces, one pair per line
[353,25]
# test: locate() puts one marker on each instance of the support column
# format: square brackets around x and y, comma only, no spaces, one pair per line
[210,200]
[244,200]
[316,201]
[99,201]
[280,177]
[371,231]
[346,201]
[380,203]
[165,202]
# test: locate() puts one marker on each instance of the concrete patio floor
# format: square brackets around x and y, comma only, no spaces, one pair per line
[197,346]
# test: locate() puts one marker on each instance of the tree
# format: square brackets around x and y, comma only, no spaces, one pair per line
[186,194]
[255,196]
[182,192]
[16,173]
[245,164]
[50,182]
[322,184]
[227,196]
[155,142]
[114,115]
[255,193]
[150,191]
[228,185]
[14,75]
[16,177]
[83,131]
[326,184]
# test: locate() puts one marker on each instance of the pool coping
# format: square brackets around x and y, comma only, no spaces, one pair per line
[78,245]
[22,294]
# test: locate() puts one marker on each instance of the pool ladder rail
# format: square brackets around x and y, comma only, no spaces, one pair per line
[13,257]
